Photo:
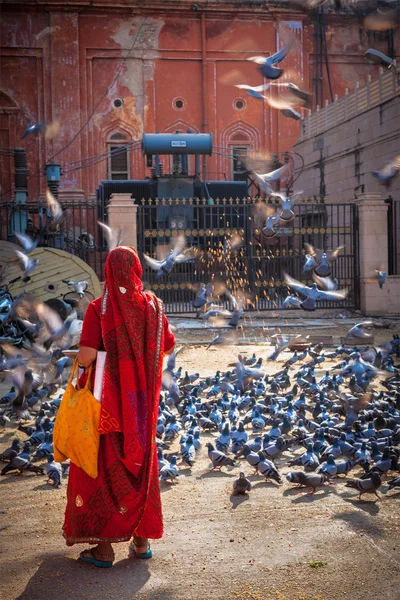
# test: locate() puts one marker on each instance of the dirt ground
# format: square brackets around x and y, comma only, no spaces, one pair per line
[275,544]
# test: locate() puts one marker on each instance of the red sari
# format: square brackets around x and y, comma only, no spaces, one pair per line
[130,325]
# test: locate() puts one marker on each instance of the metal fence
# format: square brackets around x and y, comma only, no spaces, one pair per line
[78,234]
[257,267]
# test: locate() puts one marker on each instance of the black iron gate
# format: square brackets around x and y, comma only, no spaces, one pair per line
[258,265]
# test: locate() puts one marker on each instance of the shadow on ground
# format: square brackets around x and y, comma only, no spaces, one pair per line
[62,577]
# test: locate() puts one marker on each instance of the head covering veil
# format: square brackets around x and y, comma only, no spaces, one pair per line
[131,322]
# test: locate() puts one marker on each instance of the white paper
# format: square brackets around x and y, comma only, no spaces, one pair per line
[99,375]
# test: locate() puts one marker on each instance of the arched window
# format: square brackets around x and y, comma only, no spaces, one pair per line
[118,159]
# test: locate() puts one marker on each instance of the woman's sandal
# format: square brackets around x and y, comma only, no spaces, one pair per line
[148,554]
[92,560]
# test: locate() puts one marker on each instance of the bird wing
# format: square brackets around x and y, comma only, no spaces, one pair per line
[178,245]
[338,295]
[296,285]
[272,175]
[280,55]
[152,262]
[256,88]
[260,60]
[25,241]
[113,236]
[23,259]
[326,283]
[53,204]
[332,254]
[48,317]
[186,255]
[311,250]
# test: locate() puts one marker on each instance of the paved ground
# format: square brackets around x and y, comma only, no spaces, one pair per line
[276,544]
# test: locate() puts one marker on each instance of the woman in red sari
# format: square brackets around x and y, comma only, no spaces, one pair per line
[124,500]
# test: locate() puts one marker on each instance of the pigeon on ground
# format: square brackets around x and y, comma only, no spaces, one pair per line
[358,330]
[53,471]
[242,484]
[15,447]
[366,486]
[394,483]
[17,463]
[170,472]
[218,459]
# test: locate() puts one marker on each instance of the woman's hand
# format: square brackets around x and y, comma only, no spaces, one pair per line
[86,356]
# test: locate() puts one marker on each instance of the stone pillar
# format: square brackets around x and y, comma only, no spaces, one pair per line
[373,251]
[122,214]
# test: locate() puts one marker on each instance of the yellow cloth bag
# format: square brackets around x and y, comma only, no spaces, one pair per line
[76,430]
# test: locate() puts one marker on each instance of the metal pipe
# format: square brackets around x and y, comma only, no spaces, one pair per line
[204,83]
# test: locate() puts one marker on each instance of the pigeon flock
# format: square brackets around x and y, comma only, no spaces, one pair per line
[320,427]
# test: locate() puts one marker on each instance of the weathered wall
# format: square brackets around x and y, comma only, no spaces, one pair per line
[350,152]
[57,62]
[343,156]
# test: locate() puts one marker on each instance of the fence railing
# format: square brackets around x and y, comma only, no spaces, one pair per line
[79,234]
[363,98]
[256,267]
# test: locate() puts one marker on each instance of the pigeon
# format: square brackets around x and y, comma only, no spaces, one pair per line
[58,215]
[270,228]
[50,130]
[26,242]
[15,447]
[53,471]
[310,263]
[287,203]
[113,236]
[27,264]
[266,65]
[394,483]
[388,173]
[223,338]
[381,277]
[313,294]
[324,259]
[170,472]
[80,287]
[312,480]
[33,128]
[326,283]
[17,463]
[292,302]
[218,459]
[242,484]
[254,91]
[366,486]
[266,179]
[267,469]
[175,256]
[358,330]
[290,113]
[202,296]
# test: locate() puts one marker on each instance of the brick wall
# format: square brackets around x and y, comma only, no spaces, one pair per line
[345,155]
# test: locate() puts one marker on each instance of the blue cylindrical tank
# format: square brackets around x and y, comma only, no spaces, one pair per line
[177,143]
[53,172]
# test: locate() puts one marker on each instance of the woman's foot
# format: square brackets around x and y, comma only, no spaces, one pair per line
[141,547]
[101,555]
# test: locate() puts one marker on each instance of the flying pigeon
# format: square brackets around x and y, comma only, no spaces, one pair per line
[266,65]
